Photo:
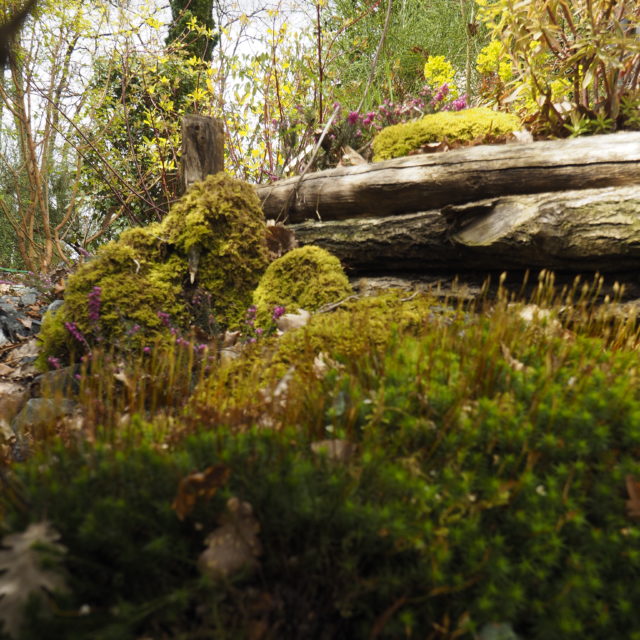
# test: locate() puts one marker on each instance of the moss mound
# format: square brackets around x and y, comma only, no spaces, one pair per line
[455,126]
[206,255]
[358,327]
[304,278]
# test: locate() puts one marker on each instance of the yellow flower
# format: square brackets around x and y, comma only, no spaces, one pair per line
[438,71]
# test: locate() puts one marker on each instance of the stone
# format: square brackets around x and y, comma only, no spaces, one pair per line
[41,413]
[62,382]
[29,297]
[13,397]
[54,306]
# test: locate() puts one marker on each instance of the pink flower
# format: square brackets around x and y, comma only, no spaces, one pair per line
[353,116]
[369,119]
[460,103]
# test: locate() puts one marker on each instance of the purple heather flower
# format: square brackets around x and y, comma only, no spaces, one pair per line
[94,304]
[134,329]
[72,328]
[278,312]
[442,92]
[460,103]
[146,350]
[259,331]
[164,317]
[54,362]
[353,116]
[369,119]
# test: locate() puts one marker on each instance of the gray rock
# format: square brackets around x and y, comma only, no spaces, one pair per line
[58,382]
[40,413]
[54,306]
[29,297]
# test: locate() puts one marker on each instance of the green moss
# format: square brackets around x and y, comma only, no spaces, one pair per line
[305,278]
[455,126]
[212,241]
[356,328]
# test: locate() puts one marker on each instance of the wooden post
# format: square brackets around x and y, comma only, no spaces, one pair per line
[202,148]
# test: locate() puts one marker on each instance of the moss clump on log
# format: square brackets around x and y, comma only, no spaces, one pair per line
[469,125]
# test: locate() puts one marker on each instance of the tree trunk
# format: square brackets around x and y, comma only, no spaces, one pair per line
[424,182]
[585,230]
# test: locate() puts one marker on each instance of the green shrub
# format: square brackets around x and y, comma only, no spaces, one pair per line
[567,67]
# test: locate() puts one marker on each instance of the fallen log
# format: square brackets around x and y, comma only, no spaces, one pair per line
[424,182]
[585,230]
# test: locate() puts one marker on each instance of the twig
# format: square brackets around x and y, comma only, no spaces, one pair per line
[334,305]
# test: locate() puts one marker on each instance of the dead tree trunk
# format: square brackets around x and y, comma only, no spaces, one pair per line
[586,230]
[423,182]
[202,148]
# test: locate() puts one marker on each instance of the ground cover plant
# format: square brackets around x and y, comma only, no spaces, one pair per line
[434,472]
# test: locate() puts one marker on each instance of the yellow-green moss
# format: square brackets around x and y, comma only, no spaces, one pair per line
[455,126]
[355,328]
[214,235]
[304,278]
[358,327]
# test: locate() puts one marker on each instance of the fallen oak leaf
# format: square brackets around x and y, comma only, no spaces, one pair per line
[24,574]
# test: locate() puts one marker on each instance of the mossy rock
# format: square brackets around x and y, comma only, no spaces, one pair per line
[304,278]
[477,124]
[211,246]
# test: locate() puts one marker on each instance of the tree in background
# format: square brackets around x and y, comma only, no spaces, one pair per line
[62,135]
[90,138]
[39,168]
[141,94]
[193,26]
[140,99]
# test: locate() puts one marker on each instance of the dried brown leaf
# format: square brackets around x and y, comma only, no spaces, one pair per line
[198,485]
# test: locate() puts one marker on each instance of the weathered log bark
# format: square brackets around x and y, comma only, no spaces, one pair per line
[202,148]
[585,230]
[422,182]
